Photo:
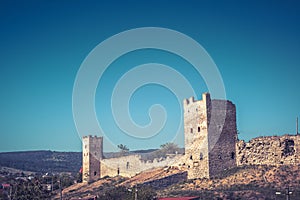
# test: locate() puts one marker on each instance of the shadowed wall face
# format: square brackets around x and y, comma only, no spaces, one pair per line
[211,146]
[210,136]
[222,134]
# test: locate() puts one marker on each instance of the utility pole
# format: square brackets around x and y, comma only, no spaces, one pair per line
[287,193]
[136,193]
[60,189]
[52,184]
[297,126]
[10,192]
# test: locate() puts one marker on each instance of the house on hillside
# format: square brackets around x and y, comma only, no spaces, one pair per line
[4,189]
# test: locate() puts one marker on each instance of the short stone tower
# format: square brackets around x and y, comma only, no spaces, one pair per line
[210,136]
[92,152]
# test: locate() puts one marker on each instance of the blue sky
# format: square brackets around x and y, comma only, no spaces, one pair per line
[255,45]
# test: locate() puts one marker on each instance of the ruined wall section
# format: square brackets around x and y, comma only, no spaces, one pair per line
[196,132]
[92,152]
[272,150]
[222,136]
[128,166]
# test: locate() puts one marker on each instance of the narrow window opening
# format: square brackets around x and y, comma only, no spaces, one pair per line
[191,157]
[191,130]
[201,156]
[198,129]
[232,155]
[95,173]
[127,165]
[118,171]
[288,147]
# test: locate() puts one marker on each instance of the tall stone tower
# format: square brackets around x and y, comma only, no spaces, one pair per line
[92,153]
[210,136]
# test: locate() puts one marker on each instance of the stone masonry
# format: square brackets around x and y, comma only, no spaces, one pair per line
[211,146]
[210,136]
[92,153]
[271,150]
[95,166]
[131,165]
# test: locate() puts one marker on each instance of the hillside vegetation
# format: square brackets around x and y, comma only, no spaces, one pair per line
[245,182]
[42,161]
[240,183]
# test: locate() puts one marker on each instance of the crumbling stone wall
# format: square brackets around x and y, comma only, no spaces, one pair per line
[128,166]
[272,150]
[211,146]
[96,166]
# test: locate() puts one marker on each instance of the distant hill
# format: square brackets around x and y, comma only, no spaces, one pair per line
[42,161]
[53,161]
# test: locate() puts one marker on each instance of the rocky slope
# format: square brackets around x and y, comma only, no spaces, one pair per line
[246,182]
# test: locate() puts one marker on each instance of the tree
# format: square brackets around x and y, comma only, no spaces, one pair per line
[29,190]
[79,177]
[123,149]
[116,193]
[169,147]
[144,193]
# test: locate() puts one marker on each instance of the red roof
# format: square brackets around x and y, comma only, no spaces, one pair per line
[180,198]
[5,185]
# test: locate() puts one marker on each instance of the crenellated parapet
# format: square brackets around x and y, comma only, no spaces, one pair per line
[210,135]
[92,153]
[211,146]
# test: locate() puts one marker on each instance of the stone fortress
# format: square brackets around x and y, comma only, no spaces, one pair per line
[211,146]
